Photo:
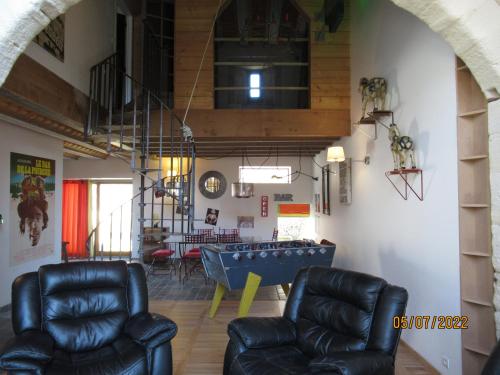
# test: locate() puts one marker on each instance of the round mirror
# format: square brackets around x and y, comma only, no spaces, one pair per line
[212,184]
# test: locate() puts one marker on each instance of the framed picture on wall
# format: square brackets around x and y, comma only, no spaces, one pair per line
[325,189]
[52,38]
[317,203]
[345,182]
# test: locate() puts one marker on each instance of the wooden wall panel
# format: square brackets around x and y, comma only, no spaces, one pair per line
[34,84]
[297,124]
[329,78]
[193,19]
[330,59]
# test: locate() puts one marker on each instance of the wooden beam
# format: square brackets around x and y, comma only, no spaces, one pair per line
[83,150]
[29,124]
[251,123]
[38,89]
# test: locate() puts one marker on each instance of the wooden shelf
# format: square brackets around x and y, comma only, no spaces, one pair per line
[473,113]
[477,351]
[477,302]
[473,157]
[473,254]
[476,270]
[381,113]
[367,121]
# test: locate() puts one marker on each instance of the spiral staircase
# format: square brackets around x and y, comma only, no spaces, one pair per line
[139,128]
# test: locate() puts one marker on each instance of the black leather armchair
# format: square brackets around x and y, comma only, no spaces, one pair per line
[335,322]
[492,366]
[86,318]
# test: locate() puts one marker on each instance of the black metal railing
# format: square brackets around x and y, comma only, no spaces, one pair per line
[135,123]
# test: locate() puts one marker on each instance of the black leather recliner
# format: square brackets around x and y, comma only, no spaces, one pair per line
[335,322]
[86,318]
[492,366]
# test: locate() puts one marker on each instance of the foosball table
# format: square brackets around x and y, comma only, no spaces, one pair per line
[250,265]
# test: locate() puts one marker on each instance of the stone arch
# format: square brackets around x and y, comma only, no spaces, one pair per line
[20,22]
[471,28]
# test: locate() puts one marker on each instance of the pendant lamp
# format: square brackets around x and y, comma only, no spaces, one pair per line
[242,189]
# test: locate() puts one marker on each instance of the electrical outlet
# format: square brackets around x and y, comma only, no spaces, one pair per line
[445,361]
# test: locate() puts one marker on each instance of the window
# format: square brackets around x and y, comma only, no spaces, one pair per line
[255,86]
[112,222]
[266,175]
[267,37]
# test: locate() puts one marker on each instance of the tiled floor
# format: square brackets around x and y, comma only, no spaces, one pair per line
[163,287]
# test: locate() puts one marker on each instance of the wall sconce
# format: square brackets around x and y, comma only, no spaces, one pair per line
[336,154]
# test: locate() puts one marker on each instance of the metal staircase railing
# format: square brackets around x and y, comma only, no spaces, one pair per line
[136,125]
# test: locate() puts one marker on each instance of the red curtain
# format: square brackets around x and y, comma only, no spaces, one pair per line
[75,229]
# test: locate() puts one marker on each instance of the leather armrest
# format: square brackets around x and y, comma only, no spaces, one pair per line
[258,333]
[29,351]
[354,363]
[150,330]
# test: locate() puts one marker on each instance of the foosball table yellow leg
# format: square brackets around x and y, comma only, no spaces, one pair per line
[251,286]
[218,295]
[286,288]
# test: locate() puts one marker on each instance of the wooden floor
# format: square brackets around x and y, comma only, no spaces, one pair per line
[199,346]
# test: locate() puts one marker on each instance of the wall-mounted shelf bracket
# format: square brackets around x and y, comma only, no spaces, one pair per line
[403,174]
[367,123]
[372,119]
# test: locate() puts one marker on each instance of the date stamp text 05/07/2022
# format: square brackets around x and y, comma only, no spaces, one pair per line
[431,322]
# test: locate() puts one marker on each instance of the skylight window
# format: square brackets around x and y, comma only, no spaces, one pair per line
[266,175]
[255,85]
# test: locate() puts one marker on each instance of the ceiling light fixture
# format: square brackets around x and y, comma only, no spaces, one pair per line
[242,189]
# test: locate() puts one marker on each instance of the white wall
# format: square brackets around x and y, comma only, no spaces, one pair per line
[230,208]
[15,139]
[84,169]
[409,243]
[89,39]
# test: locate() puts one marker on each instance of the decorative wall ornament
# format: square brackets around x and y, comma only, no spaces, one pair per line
[283,197]
[212,216]
[212,184]
[32,205]
[402,147]
[264,206]
[325,189]
[52,38]
[345,182]
[372,90]
[245,222]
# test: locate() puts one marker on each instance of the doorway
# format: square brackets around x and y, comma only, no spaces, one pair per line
[111,212]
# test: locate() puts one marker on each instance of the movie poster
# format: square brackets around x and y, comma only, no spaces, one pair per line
[32,191]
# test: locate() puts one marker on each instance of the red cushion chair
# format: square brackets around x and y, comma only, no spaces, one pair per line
[162,255]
